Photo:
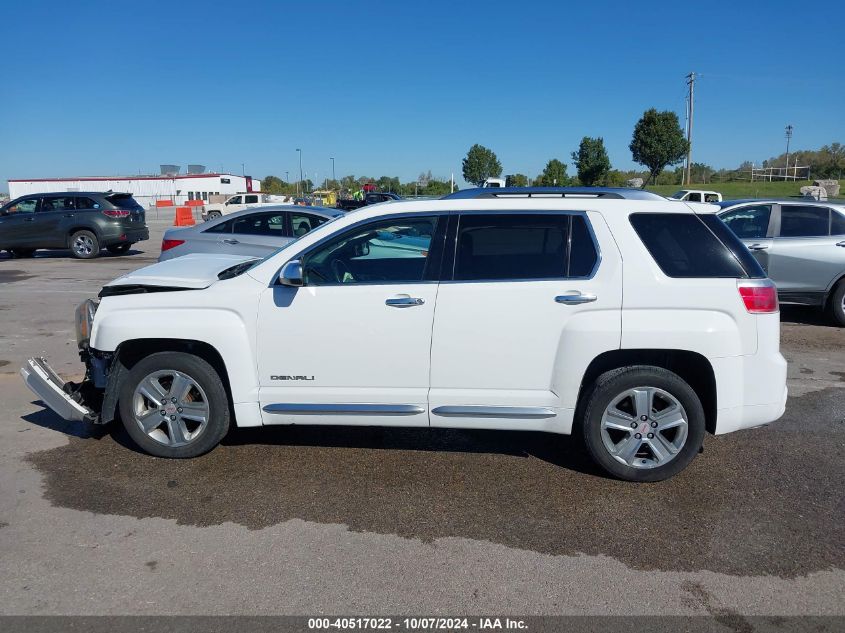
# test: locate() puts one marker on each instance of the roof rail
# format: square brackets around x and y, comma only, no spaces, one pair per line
[605,193]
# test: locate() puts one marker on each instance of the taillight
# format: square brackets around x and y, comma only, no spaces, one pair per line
[166,245]
[116,213]
[760,296]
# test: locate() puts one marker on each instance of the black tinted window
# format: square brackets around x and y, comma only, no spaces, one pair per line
[57,203]
[519,246]
[261,224]
[86,203]
[302,223]
[736,247]
[837,223]
[582,256]
[223,227]
[749,223]
[798,221]
[124,201]
[683,246]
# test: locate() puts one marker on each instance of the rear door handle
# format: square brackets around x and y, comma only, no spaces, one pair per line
[842,243]
[758,247]
[230,241]
[575,298]
[404,302]
[68,215]
[29,219]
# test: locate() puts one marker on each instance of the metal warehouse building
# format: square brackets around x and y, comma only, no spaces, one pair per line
[169,185]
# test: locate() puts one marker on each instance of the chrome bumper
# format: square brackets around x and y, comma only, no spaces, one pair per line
[47,385]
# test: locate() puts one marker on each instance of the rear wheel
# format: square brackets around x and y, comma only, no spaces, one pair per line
[84,245]
[174,405]
[642,423]
[22,253]
[213,215]
[837,303]
[119,249]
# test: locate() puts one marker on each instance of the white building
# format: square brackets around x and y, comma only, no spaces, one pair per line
[146,189]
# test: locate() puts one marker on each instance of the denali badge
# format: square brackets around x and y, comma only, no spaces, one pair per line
[291,377]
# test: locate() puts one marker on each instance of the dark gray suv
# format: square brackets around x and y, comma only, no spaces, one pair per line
[84,222]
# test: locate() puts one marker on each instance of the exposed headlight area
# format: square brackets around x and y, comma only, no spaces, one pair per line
[84,319]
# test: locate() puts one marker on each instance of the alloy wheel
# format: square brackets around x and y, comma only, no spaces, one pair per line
[170,407]
[644,427]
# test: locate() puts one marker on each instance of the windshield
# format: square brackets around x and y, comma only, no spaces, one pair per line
[678,194]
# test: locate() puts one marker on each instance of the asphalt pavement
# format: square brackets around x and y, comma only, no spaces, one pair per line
[414,521]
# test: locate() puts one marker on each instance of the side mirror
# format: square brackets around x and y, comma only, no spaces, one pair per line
[291,274]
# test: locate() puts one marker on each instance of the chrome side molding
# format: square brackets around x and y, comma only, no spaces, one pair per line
[473,411]
[353,408]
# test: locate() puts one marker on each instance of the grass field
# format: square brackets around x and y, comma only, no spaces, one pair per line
[734,190]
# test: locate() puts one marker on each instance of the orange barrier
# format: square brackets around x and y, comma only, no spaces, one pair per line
[184,217]
[164,203]
[194,203]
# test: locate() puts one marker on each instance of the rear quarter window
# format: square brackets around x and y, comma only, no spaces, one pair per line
[686,245]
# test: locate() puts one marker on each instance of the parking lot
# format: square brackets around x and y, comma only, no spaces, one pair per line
[367,521]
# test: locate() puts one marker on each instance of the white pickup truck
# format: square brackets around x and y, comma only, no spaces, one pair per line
[241,201]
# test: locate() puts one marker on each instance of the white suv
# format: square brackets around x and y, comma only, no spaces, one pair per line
[616,315]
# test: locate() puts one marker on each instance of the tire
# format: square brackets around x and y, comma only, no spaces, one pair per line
[84,245]
[213,215]
[119,249]
[837,304]
[22,253]
[176,435]
[674,404]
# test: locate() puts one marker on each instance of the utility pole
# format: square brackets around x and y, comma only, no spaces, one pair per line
[789,129]
[300,171]
[334,178]
[690,106]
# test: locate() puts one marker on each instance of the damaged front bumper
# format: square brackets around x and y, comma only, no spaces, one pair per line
[65,398]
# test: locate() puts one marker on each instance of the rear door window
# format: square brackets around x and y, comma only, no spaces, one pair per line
[684,246]
[749,223]
[223,227]
[302,223]
[57,203]
[804,221]
[250,199]
[837,223]
[501,247]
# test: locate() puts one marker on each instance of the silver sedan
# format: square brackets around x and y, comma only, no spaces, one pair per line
[256,232]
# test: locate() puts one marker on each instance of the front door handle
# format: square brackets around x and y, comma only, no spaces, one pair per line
[68,215]
[230,241]
[574,298]
[404,302]
[29,219]
[842,243]
[758,247]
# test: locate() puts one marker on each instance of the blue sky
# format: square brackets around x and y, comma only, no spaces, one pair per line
[397,88]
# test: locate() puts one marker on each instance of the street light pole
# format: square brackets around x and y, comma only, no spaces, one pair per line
[788,137]
[333,176]
[300,170]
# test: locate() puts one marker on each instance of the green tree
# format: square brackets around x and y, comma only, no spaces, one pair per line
[658,141]
[517,180]
[480,164]
[591,161]
[554,175]
[273,184]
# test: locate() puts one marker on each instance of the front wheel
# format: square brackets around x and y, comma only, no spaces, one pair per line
[213,215]
[119,249]
[837,303]
[642,423]
[174,405]
[84,245]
